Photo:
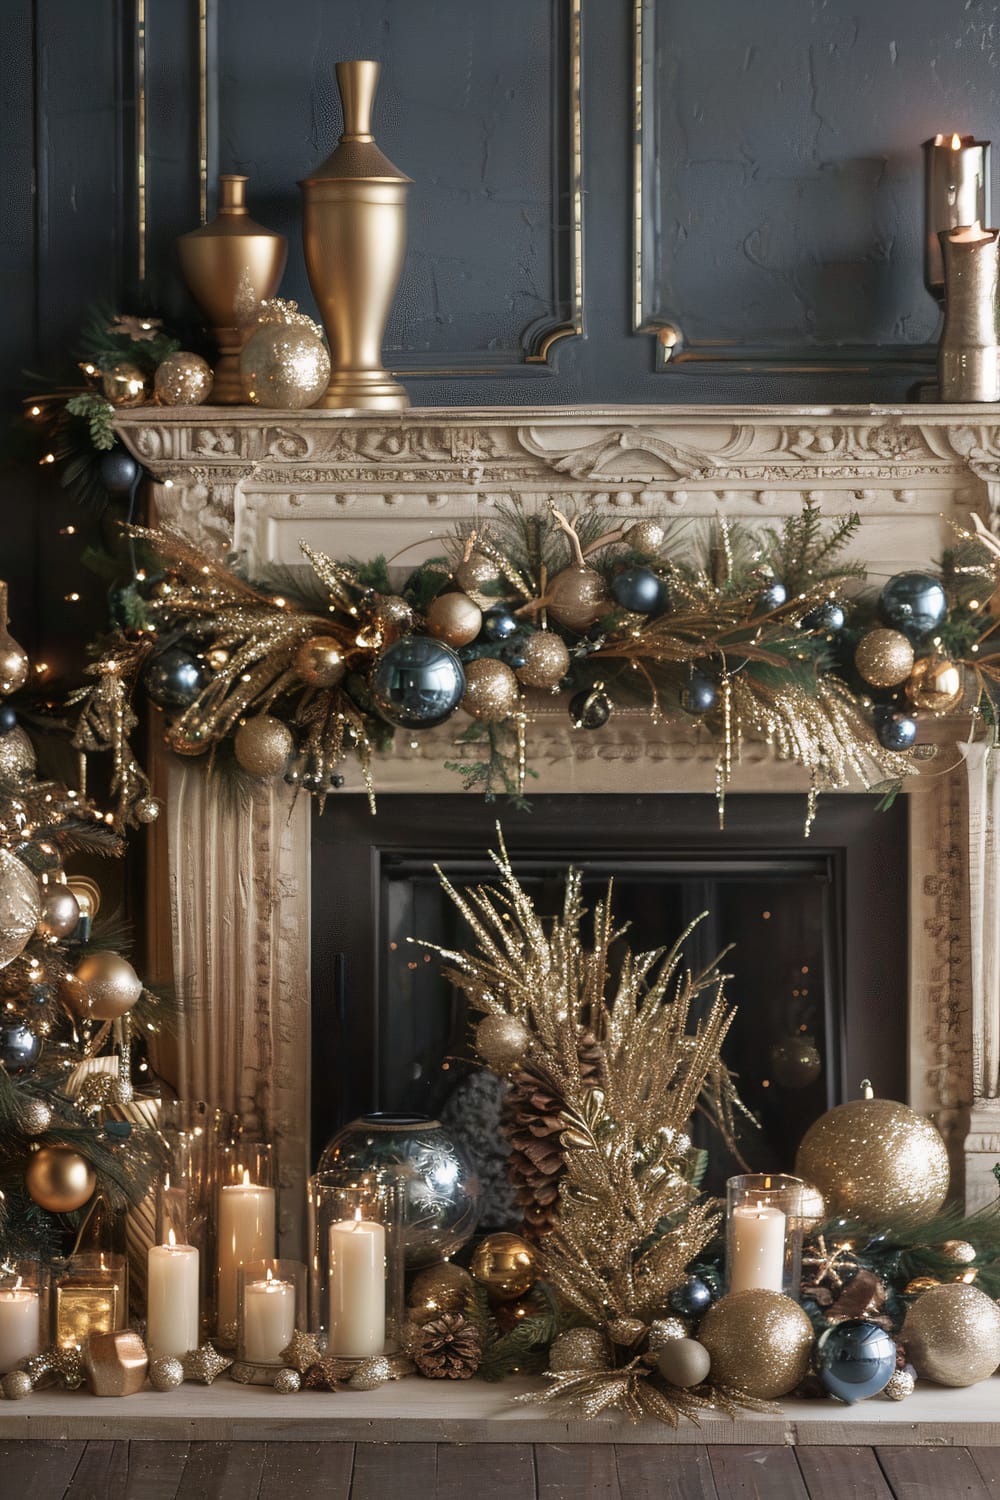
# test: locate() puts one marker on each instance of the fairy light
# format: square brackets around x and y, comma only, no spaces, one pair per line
[72,598]
[34,411]
[49,458]
[67,531]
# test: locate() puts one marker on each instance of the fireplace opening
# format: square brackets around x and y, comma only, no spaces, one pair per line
[818,932]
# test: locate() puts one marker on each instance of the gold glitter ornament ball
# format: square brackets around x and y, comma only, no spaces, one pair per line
[491,692]
[952,1335]
[284,366]
[320,662]
[166,1373]
[59,1180]
[501,1042]
[645,537]
[479,578]
[576,597]
[438,1289]
[959,1251]
[759,1342]
[393,616]
[884,658]
[124,384]
[546,660]
[183,379]
[106,986]
[504,1264]
[262,746]
[17,755]
[935,684]
[579,1349]
[876,1160]
[454,618]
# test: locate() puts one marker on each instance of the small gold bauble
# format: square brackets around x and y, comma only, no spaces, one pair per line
[877,1161]
[952,1335]
[106,985]
[576,597]
[147,809]
[262,746]
[17,754]
[116,1363]
[479,578]
[370,1373]
[454,618]
[504,1264]
[187,740]
[919,1285]
[183,379]
[60,912]
[959,1251]
[502,1041]
[16,1384]
[684,1362]
[35,1116]
[284,366]
[59,1180]
[884,658]
[20,906]
[394,617]
[287,1382]
[491,692]
[124,384]
[438,1289]
[759,1342]
[901,1385]
[645,537]
[579,1349]
[320,662]
[935,684]
[546,660]
[166,1373]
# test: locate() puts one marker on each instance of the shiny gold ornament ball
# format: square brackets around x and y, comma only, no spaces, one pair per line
[546,660]
[491,692]
[436,1290]
[479,578]
[795,1062]
[17,754]
[684,1362]
[958,1251]
[187,740]
[109,985]
[935,684]
[576,597]
[952,1335]
[876,1160]
[166,1373]
[182,379]
[502,1041]
[579,1349]
[645,537]
[60,912]
[505,1265]
[124,384]
[59,1180]
[320,662]
[901,1385]
[147,809]
[284,366]
[20,906]
[759,1342]
[919,1285]
[884,658]
[454,618]
[16,1385]
[263,745]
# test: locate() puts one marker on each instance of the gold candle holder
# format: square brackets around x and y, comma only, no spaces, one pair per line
[956,192]
[354,232]
[90,1296]
[969,351]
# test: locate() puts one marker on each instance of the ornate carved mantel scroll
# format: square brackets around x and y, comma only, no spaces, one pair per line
[357,485]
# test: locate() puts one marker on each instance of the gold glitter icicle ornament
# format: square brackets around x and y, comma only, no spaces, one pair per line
[759,1342]
[284,363]
[952,1335]
[491,692]
[262,746]
[876,1160]
[504,1264]
[884,658]
[501,1042]
[182,379]
[546,660]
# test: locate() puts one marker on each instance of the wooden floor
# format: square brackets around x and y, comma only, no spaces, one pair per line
[93,1470]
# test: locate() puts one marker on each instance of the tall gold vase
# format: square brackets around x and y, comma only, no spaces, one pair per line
[354,229]
[231,266]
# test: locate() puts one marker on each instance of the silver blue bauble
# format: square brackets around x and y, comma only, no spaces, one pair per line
[692,1298]
[830,616]
[418,682]
[174,678]
[914,603]
[8,718]
[771,597]
[638,590]
[498,624]
[895,730]
[699,694]
[20,1048]
[855,1359]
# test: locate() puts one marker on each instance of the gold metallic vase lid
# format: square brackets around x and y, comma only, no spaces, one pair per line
[233,217]
[356,154]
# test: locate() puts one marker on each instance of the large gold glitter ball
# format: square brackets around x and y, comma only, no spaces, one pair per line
[577,597]
[20,906]
[952,1335]
[262,746]
[491,691]
[124,384]
[935,684]
[479,577]
[759,1342]
[454,618]
[438,1289]
[504,1264]
[284,366]
[579,1349]
[59,1180]
[183,379]
[877,1161]
[17,756]
[106,986]
[320,662]
[884,658]
[501,1042]
[546,660]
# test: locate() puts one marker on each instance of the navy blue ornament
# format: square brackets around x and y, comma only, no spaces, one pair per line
[174,678]
[829,616]
[855,1359]
[118,471]
[700,693]
[639,590]
[117,1130]
[590,709]
[20,1048]
[498,624]
[418,682]
[914,603]
[691,1299]
[895,730]
[772,597]
[8,718]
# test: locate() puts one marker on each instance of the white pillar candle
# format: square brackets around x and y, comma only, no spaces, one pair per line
[357,1288]
[268,1319]
[20,1326]
[172,1310]
[246,1233]
[758,1248]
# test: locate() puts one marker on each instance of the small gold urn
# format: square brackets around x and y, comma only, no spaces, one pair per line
[354,229]
[231,265]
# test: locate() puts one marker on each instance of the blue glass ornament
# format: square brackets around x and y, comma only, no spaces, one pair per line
[118,471]
[914,603]
[772,597]
[8,718]
[700,693]
[639,590]
[20,1048]
[418,682]
[829,616]
[895,730]
[174,678]
[690,1299]
[855,1359]
[498,624]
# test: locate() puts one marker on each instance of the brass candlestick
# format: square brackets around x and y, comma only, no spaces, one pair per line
[969,351]
[231,266]
[354,230]
[956,192]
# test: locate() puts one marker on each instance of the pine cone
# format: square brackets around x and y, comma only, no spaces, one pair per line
[448,1349]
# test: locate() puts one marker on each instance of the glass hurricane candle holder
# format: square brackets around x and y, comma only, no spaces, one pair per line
[764,1233]
[90,1295]
[197,1135]
[23,1312]
[356,1261]
[246,1226]
[271,1303]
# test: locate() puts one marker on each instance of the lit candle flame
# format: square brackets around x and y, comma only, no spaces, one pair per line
[171,1238]
[246,1177]
[357,1218]
[956,143]
[17,1285]
[268,1275]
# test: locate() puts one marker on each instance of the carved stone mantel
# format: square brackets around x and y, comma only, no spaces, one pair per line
[257,482]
